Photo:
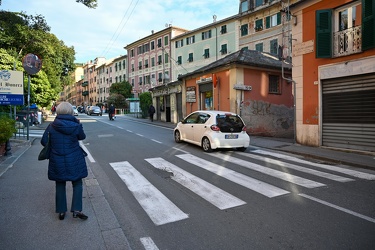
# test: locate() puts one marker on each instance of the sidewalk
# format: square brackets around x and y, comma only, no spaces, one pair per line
[28,219]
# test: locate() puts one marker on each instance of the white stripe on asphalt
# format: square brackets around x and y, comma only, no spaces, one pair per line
[156,141]
[207,191]
[158,207]
[148,243]
[339,208]
[272,172]
[350,172]
[89,156]
[241,179]
[296,167]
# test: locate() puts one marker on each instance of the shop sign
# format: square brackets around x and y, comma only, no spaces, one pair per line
[190,94]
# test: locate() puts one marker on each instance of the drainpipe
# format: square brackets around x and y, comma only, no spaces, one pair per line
[294,98]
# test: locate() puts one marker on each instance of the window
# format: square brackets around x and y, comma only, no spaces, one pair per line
[152,45]
[259,25]
[274,47]
[190,59]
[146,63]
[244,6]
[206,53]
[159,42]
[223,29]
[159,59]
[259,47]
[179,43]
[258,3]
[132,53]
[166,41]
[153,62]
[132,82]
[190,40]
[274,84]
[119,66]
[273,20]
[132,66]
[346,30]
[206,35]
[166,58]
[179,60]
[140,65]
[160,79]
[224,49]
[244,30]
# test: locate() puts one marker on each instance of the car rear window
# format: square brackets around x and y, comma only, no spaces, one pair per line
[229,123]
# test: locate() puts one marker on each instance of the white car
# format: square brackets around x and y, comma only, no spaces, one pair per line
[75,111]
[213,129]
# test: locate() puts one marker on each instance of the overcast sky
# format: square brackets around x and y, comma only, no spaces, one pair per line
[106,30]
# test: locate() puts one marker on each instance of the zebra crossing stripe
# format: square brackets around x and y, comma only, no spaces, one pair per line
[296,167]
[272,172]
[354,173]
[157,206]
[241,179]
[207,191]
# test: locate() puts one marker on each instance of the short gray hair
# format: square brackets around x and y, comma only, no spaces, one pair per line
[64,108]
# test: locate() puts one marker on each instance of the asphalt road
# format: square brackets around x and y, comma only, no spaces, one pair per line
[175,196]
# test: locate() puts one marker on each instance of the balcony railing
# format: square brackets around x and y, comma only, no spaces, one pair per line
[85,93]
[84,84]
[347,42]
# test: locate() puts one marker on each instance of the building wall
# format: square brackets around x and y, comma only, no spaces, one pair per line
[306,70]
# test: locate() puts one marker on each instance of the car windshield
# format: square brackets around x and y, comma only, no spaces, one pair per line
[229,123]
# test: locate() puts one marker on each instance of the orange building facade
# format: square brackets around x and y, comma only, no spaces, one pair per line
[334,71]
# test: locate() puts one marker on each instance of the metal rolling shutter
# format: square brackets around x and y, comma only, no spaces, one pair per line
[348,112]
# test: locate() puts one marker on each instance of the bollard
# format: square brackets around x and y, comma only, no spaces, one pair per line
[8,148]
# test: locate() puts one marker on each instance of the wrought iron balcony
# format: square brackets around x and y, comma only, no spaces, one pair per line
[347,42]
[85,93]
[85,83]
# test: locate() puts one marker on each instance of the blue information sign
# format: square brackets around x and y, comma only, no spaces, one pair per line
[9,99]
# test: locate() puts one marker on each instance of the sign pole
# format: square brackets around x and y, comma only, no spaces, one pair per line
[28,106]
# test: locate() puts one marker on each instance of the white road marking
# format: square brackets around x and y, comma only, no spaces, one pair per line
[129,131]
[140,135]
[346,171]
[148,243]
[296,167]
[269,171]
[183,151]
[156,141]
[216,196]
[106,135]
[339,208]
[158,207]
[241,179]
[89,156]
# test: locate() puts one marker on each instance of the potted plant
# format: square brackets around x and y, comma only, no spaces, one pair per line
[7,126]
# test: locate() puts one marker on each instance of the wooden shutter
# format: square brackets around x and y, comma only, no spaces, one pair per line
[324,33]
[268,22]
[368,24]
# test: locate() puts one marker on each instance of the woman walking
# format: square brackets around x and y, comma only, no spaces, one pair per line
[67,159]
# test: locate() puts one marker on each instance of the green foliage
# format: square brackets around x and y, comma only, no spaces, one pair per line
[117,100]
[123,88]
[7,126]
[92,4]
[21,34]
[145,100]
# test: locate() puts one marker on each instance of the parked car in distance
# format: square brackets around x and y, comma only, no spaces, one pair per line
[87,109]
[80,109]
[94,110]
[75,111]
[212,129]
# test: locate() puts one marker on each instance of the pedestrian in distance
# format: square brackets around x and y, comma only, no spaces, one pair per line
[151,112]
[111,112]
[67,159]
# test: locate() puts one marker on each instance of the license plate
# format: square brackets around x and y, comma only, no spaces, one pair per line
[231,136]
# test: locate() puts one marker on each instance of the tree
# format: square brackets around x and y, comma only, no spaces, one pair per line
[117,100]
[123,88]
[92,4]
[145,100]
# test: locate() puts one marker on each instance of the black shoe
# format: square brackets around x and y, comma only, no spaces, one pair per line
[80,215]
[61,216]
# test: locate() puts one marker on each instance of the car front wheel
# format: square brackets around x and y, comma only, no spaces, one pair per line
[206,145]
[177,136]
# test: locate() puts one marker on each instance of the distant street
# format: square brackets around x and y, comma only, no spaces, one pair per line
[174,196]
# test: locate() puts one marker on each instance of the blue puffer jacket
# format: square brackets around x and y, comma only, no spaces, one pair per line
[67,161]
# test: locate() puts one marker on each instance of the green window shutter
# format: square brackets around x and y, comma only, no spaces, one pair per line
[368,24]
[324,33]
[278,18]
[268,22]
